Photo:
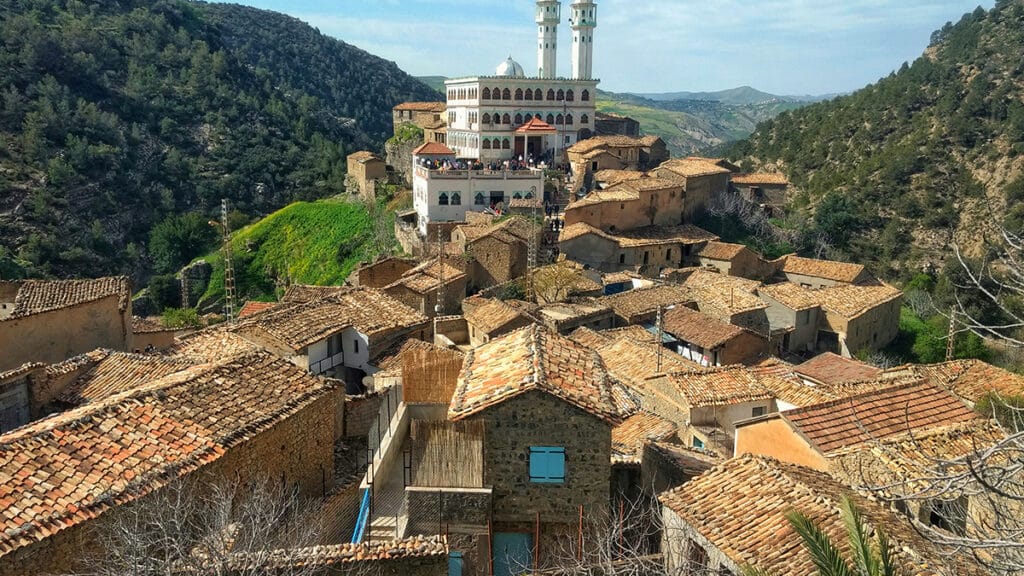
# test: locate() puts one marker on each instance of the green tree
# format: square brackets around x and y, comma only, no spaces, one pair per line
[179,239]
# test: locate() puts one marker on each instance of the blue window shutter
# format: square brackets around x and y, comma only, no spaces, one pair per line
[547,464]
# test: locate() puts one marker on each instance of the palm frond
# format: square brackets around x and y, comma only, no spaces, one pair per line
[749,570]
[825,555]
[887,557]
[864,558]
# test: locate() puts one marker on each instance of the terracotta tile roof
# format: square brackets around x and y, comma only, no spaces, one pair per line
[621,192]
[606,142]
[692,167]
[147,326]
[723,386]
[633,361]
[721,251]
[560,313]
[967,379]
[719,293]
[629,437]
[642,301]
[877,415]
[74,466]
[493,315]
[364,156]
[851,301]
[700,329]
[427,277]
[741,506]
[37,296]
[302,293]
[113,372]
[433,149]
[761,178]
[252,307]
[616,176]
[573,231]
[792,296]
[534,358]
[827,269]
[509,230]
[657,235]
[378,553]
[589,338]
[437,107]
[830,368]
[209,345]
[786,386]
[21,371]
[692,461]
[536,126]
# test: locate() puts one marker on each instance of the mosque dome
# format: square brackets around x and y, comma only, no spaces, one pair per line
[510,69]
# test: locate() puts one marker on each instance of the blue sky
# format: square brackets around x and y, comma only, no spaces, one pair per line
[779,46]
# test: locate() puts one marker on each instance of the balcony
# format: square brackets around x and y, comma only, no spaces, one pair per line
[529,174]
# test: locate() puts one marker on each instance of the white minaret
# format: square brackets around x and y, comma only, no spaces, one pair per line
[549,16]
[583,22]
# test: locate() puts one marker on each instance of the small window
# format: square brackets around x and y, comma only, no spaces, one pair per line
[547,465]
[455,564]
[355,345]
[758,411]
[456,199]
[622,258]
[478,199]
[442,200]
[698,443]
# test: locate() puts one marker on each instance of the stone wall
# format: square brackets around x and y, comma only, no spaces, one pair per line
[495,262]
[382,273]
[399,157]
[361,411]
[538,419]
[678,541]
[443,510]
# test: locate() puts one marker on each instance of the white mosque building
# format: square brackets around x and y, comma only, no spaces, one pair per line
[489,117]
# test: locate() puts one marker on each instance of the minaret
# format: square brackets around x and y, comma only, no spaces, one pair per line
[583,22]
[549,15]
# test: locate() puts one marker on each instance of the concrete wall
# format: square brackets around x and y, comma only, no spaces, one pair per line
[538,419]
[51,337]
[774,437]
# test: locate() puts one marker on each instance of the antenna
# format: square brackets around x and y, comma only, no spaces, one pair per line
[531,257]
[229,269]
[438,306]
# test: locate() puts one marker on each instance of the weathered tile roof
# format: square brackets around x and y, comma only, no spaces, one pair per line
[21,370]
[573,231]
[723,386]
[534,358]
[147,326]
[741,506]
[827,269]
[301,293]
[363,156]
[692,461]
[589,338]
[633,332]
[658,235]
[790,295]
[617,176]
[967,379]
[620,192]
[723,293]
[113,372]
[433,149]
[560,313]
[633,361]
[721,251]
[611,141]
[422,106]
[209,345]
[493,315]
[253,307]
[37,296]
[830,368]
[646,300]
[559,274]
[787,386]
[74,466]
[279,561]
[629,437]
[761,178]
[692,167]
[851,301]
[427,276]
[699,329]
[877,415]
[509,230]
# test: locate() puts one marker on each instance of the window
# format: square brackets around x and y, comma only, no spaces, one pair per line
[758,411]
[622,258]
[559,119]
[519,119]
[537,94]
[568,119]
[560,96]
[585,119]
[529,94]
[442,200]
[517,196]
[551,94]
[519,93]
[334,346]
[506,94]
[487,118]
[585,97]
[478,199]
[456,199]
[569,96]
[668,254]
[550,119]
[698,443]
[487,144]
[506,119]
[355,345]
[547,465]
[505,144]
[803,317]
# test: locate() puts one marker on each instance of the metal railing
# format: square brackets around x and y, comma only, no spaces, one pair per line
[525,174]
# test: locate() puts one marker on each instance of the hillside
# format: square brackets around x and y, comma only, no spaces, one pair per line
[115,116]
[933,153]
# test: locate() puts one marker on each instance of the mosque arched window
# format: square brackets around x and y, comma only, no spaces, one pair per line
[486,118]
[486,94]
[487,144]
[456,199]
[559,119]
[442,200]
[561,95]
[585,119]
[529,94]
[551,94]
[550,119]
[505,144]
[506,94]
[506,119]
[570,96]
[568,119]
[519,119]
[519,93]
[537,94]
[585,96]
[479,199]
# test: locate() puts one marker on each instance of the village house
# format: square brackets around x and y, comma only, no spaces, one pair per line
[254,307]
[608,124]
[614,153]
[813,273]
[566,317]
[420,114]
[564,280]
[969,380]
[365,169]
[151,335]
[702,181]
[419,288]
[641,306]
[764,189]
[305,293]
[603,179]
[414,556]
[728,298]
[495,253]
[794,314]
[630,205]
[51,320]
[382,272]
[488,319]
[244,419]
[733,260]
[829,369]
[858,318]
[648,250]
[717,523]
[711,342]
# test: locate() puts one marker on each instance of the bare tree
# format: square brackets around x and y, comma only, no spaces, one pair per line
[211,529]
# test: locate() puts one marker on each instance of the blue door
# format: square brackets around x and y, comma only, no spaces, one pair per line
[513,553]
[455,564]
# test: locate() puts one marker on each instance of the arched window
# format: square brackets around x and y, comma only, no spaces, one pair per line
[442,200]
[585,96]
[568,119]
[537,95]
[529,94]
[529,195]
[570,95]
[519,119]
[551,94]
[585,119]
[561,95]
[487,144]
[559,119]
[456,199]
[537,116]
[505,144]
[551,119]
[497,144]
[517,196]
[479,199]
[519,93]
[506,94]
[506,119]
[486,118]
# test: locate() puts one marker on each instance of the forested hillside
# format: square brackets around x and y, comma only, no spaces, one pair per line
[117,116]
[931,154]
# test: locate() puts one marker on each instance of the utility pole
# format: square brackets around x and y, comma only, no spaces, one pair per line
[950,339]
[438,306]
[184,290]
[229,269]
[531,256]
[661,327]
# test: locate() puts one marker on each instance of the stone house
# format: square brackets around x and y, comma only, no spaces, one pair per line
[614,153]
[829,369]
[764,189]
[381,273]
[418,288]
[857,318]
[608,124]
[702,181]
[49,321]
[630,205]
[254,307]
[421,114]
[641,306]
[151,335]
[968,380]
[496,253]
[365,169]
[717,523]
[794,314]
[648,250]
[19,395]
[566,317]
[242,419]
[488,319]
[305,293]
[730,299]
[711,342]
[734,260]
[812,273]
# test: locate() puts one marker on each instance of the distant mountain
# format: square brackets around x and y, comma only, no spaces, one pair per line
[116,116]
[435,82]
[742,96]
[933,153]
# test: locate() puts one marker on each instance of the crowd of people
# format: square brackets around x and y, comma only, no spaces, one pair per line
[515,164]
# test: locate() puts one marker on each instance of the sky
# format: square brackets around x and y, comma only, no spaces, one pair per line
[786,47]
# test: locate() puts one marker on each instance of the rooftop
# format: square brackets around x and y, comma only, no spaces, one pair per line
[252,307]
[437,107]
[629,437]
[850,300]
[74,466]
[721,251]
[761,178]
[427,276]
[700,329]
[492,315]
[617,176]
[741,506]
[302,293]
[693,167]
[38,296]
[533,358]
[148,326]
[723,293]
[613,141]
[827,269]
[723,386]
[790,295]
[633,361]
[968,379]
[433,149]
[209,345]
[643,301]
[363,156]
[107,372]
[830,368]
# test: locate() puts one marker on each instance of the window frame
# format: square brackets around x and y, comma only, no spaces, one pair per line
[544,463]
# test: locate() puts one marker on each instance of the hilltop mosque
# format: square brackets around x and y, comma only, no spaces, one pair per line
[509,114]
